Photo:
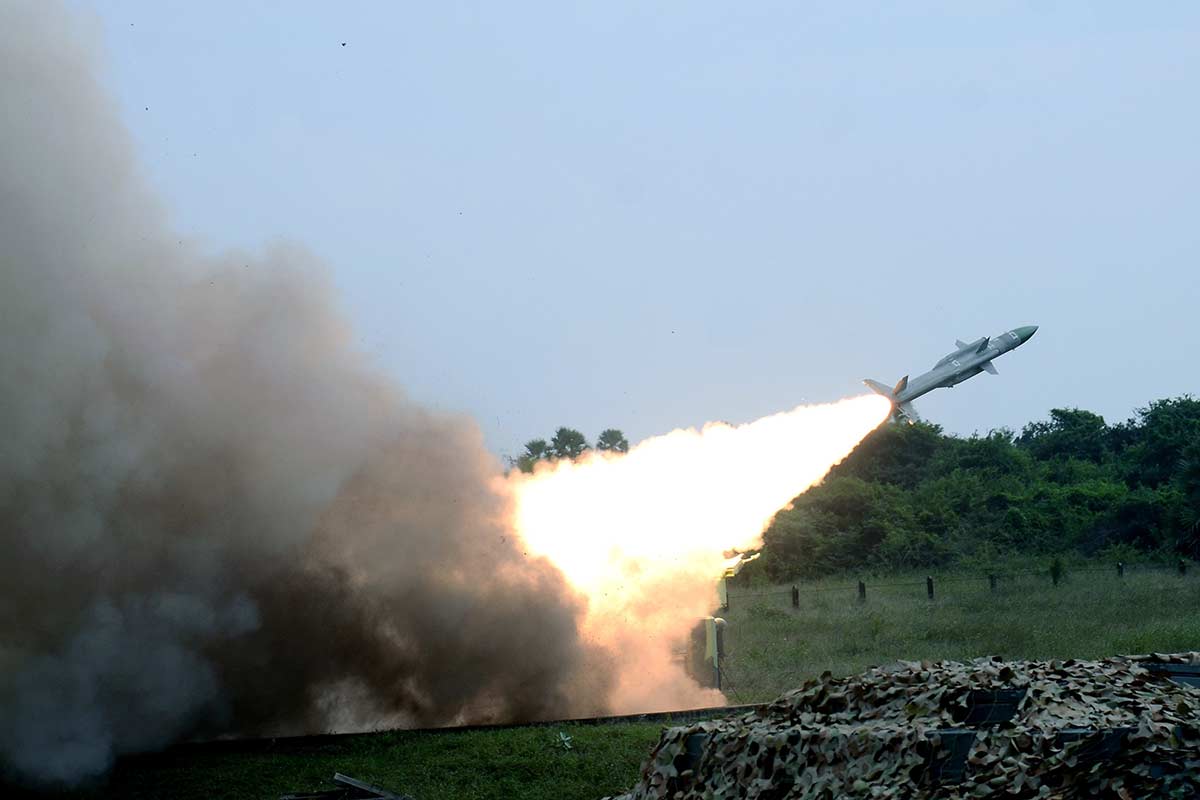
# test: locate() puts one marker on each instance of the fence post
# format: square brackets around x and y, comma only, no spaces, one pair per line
[1182,567]
[929,586]
[795,597]
[1120,569]
[992,581]
[862,592]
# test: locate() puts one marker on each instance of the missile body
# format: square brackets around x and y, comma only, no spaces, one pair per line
[967,361]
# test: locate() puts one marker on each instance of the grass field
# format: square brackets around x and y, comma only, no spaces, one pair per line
[516,762]
[773,647]
[1091,614]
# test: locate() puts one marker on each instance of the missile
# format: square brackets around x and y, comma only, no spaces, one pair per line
[967,361]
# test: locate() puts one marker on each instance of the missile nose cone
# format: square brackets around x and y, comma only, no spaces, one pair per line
[1025,332]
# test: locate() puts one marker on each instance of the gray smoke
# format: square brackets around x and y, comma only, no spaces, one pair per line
[215,516]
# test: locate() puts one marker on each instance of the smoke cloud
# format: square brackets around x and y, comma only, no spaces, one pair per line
[215,515]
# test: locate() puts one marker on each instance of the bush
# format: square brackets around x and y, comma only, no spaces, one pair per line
[914,497]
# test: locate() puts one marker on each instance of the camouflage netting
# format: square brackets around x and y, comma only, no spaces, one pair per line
[1082,729]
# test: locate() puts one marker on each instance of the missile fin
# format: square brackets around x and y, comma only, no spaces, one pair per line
[989,368]
[983,345]
[960,344]
[901,385]
[909,413]
[879,388]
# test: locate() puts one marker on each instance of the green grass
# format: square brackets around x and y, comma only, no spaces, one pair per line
[773,647]
[514,762]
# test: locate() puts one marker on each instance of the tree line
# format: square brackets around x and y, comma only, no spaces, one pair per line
[916,497]
[567,443]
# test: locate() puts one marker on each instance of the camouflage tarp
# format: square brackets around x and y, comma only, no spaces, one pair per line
[1082,729]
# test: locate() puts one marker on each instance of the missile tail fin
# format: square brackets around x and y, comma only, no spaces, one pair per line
[983,345]
[989,367]
[903,411]
[879,388]
[909,413]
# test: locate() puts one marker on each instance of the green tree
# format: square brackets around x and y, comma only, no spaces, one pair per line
[535,451]
[612,439]
[1160,435]
[568,443]
[992,456]
[1070,433]
[912,496]
[838,527]
[899,454]
[1188,476]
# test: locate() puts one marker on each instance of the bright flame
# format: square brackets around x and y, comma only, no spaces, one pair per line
[643,535]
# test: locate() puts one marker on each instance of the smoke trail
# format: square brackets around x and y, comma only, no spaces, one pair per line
[215,516]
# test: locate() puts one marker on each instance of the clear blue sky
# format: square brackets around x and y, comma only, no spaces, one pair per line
[647,215]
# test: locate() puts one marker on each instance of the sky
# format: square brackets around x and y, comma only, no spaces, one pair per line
[647,216]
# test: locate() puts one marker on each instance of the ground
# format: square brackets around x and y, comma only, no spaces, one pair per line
[528,763]
[773,647]
[1092,613]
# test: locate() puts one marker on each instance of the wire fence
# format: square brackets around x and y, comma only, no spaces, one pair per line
[1055,574]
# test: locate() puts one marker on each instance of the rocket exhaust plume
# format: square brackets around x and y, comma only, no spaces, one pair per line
[643,536]
[216,517]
